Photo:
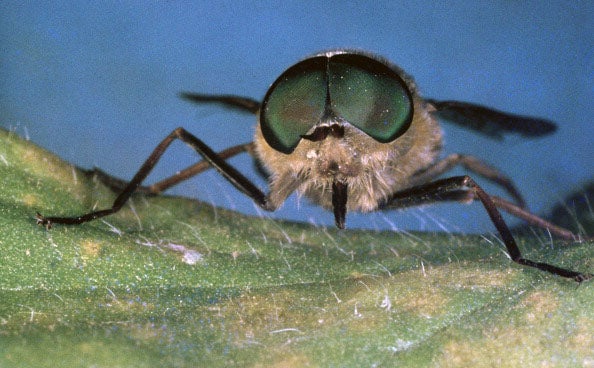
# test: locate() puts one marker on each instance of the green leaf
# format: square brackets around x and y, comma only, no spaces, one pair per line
[175,282]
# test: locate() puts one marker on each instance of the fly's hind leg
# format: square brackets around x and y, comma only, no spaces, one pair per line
[118,185]
[476,166]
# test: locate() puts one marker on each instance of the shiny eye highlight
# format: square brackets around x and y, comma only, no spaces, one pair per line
[369,95]
[353,88]
[294,103]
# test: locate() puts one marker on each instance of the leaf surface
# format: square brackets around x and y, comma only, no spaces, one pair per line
[172,281]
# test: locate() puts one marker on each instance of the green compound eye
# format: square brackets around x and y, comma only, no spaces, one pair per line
[358,89]
[294,104]
[369,95]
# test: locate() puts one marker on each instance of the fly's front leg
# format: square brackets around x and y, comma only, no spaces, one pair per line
[418,196]
[198,168]
[118,185]
[229,172]
[453,188]
[476,166]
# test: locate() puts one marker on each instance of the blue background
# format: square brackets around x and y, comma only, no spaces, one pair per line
[97,83]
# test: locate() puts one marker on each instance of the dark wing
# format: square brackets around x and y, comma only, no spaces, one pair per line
[245,104]
[491,122]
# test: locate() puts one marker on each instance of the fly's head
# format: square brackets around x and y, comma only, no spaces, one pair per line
[344,119]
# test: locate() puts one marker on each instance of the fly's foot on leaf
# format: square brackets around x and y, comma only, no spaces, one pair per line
[43,221]
[583,277]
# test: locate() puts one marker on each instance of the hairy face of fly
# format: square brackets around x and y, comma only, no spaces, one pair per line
[334,150]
